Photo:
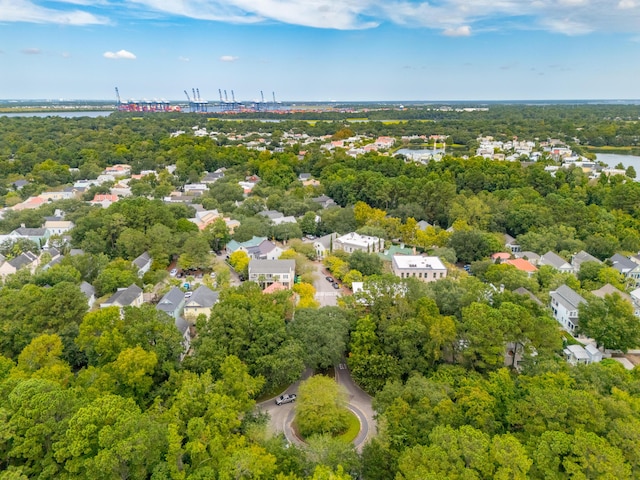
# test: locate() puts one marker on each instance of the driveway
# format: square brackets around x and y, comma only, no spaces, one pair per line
[326,295]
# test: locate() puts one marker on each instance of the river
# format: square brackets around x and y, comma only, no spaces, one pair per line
[613,159]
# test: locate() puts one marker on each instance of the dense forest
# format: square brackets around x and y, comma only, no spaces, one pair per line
[103,393]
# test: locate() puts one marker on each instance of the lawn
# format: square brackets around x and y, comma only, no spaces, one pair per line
[354,428]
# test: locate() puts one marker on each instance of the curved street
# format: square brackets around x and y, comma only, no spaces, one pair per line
[359,403]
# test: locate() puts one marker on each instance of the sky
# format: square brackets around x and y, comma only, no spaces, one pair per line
[321,50]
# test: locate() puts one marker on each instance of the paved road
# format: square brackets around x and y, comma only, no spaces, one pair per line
[326,295]
[359,403]
[281,416]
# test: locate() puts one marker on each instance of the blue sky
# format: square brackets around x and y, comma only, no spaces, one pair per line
[343,50]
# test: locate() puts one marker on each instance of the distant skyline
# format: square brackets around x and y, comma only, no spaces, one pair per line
[321,50]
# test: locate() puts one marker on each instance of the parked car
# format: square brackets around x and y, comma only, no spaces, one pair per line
[287,398]
[336,286]
[188,294]
[329,279]
[173,272]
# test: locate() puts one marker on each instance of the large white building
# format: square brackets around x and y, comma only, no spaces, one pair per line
[353,242]
[425,269]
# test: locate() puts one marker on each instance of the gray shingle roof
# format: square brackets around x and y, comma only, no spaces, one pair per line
[126,296]
[31,232]
[553,259]
[142,260]
[326,240]
[581,257]
[622,263]
[524,291]
[22,260]
[271,214]
[87,289]
[203,297]
[182,325]
[567,297]
[171,301]
[271,266]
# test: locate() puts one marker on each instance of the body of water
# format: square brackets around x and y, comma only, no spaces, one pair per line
[74,114]
[613,159]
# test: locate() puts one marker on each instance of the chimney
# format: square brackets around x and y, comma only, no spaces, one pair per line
[22,225]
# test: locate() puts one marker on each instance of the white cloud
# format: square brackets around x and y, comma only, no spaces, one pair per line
[462,31]
[452,17]
[183,59]
[334,14]
[28,12]
[570,17]
[228,58]
[31,51]
[120,54]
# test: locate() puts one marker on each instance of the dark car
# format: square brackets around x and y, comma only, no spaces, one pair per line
[336,286]
[287,398]
[329,279]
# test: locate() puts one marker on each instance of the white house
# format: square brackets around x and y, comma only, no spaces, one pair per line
[143,264]
[577,354]
[266,272]
[353,242]
[324,245]
[425,269]
[200,303]
[564,304]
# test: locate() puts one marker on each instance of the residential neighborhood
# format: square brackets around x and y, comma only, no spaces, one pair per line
[192,270]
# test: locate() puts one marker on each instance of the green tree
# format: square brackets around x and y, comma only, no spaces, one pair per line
[217,234]
[117,274]
[365,263]
[196,253]
[323,333]
[131,243]
[610,321]
[38,413]
[239,260]
[321,407]
[111,438]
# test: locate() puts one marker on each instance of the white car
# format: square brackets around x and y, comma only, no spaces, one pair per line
[286,398]
[173,272]
[188,294]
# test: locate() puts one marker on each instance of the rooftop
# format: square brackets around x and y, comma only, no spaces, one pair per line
[567,297]
[418,261]
[271,266]
[202,297]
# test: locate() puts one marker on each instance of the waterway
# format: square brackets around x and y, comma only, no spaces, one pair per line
[613,159]
[70,114]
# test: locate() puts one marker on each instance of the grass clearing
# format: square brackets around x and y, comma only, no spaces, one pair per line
[569,339]
[352,431]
